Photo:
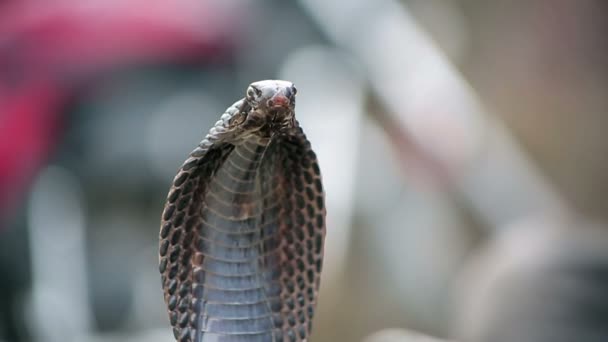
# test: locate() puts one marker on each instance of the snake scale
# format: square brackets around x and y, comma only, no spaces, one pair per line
[243,227]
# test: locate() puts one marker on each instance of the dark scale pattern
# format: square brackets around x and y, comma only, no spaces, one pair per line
[241,238]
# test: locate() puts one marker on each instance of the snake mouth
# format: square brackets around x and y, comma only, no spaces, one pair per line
[278,102]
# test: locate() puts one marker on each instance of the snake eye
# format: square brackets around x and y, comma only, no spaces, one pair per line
[252,92]
[294,91]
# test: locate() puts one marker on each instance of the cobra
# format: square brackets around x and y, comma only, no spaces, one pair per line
[243,227]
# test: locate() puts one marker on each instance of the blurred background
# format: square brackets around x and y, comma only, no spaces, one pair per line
[462,145]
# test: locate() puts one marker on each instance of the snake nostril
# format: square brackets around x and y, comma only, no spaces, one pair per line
[270,103]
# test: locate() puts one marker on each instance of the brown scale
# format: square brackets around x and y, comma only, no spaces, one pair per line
[242,231]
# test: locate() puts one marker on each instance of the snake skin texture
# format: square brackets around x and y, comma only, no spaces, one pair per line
[242,232]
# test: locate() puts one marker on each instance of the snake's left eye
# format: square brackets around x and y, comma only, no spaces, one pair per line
[252,92]
[294,91]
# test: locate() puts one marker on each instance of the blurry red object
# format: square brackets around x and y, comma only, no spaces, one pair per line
[28,128]
[49,49]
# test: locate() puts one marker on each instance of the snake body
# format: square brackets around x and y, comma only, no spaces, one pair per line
[243,227]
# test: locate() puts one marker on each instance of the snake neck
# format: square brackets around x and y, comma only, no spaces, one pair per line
[237,192]
[238,238]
